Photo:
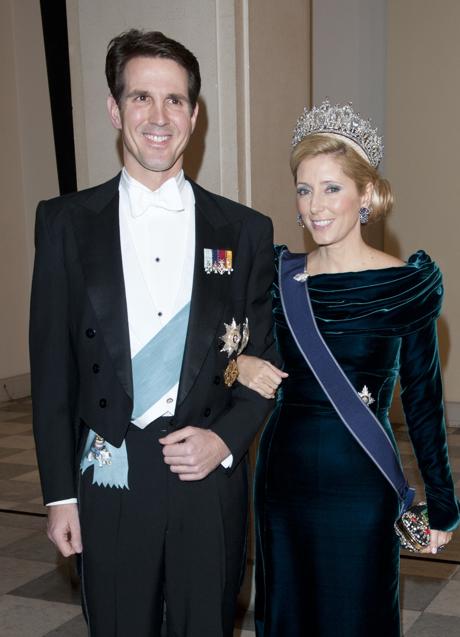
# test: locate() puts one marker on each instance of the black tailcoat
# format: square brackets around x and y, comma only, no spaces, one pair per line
[79,337]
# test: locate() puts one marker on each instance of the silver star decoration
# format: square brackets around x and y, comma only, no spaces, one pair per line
[366,396]
[231,338]
[244,337]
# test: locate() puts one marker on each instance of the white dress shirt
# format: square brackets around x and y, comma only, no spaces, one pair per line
[158,254]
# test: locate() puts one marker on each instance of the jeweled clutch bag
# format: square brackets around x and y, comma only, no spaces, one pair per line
[413,528]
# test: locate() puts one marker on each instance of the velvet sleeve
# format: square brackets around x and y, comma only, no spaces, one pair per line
[421,394]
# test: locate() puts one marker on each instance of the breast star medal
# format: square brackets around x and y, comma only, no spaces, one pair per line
[366,396]
[234,340]
[231,339]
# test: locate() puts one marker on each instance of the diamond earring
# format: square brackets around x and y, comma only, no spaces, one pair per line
[364,215]
[299,221]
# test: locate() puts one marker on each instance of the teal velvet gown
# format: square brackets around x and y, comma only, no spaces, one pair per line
[327,558]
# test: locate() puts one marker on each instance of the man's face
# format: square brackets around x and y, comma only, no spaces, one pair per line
[155,118]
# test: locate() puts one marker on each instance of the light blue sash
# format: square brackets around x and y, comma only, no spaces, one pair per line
[156,368]
[114,474]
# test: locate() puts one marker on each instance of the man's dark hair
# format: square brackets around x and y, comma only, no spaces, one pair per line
[135,43]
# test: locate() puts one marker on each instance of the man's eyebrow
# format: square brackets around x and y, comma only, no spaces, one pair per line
[179,96]
[137,91]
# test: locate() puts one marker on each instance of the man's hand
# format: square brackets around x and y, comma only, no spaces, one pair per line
[64,528]
[193,452]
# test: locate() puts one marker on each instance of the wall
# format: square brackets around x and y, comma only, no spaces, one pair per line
[279,74]
[27,173]
[349,64]
[423,137]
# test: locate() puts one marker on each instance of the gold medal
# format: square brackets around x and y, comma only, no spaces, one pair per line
[231,373]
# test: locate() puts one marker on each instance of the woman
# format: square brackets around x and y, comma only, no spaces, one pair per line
[327,554]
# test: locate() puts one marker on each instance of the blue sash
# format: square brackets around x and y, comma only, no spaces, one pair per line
[354,413]
[156,367]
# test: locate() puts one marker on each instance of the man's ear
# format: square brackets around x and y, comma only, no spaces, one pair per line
[114,112]
[194,116]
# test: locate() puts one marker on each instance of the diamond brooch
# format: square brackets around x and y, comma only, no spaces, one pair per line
[366,396]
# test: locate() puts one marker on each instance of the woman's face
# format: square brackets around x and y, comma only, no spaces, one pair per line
[328,200]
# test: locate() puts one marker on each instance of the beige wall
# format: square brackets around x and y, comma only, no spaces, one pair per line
[422,142]
[28,173]
[348,64]
[279,77]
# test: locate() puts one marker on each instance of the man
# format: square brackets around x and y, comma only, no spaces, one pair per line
[145,289]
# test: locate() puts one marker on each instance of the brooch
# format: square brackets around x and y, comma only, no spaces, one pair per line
[99,452]
[217,261]
[366,396]
[301,277]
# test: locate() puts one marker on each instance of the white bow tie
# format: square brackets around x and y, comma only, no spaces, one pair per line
[167,197]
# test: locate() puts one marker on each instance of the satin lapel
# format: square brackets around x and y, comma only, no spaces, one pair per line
[97,230]
[209,293]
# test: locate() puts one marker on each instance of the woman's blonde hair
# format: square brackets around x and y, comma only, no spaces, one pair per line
[353,165]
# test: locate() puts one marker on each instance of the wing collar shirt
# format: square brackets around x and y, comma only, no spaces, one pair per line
[157,233]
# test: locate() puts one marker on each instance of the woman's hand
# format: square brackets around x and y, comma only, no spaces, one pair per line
[259,375]
[437,539]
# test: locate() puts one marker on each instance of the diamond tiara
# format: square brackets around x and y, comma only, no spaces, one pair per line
[340,120]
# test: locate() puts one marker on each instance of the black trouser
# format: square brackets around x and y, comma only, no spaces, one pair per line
[162,540]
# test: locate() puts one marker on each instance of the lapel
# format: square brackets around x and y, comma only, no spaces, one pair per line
[213,229]
[97,231]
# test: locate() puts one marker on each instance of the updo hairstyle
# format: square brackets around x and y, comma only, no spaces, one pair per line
[353,165]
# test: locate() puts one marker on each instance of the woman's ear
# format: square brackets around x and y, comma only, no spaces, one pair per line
[367,195]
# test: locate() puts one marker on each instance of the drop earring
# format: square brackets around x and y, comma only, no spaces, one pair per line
[364,215]
[299,221]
